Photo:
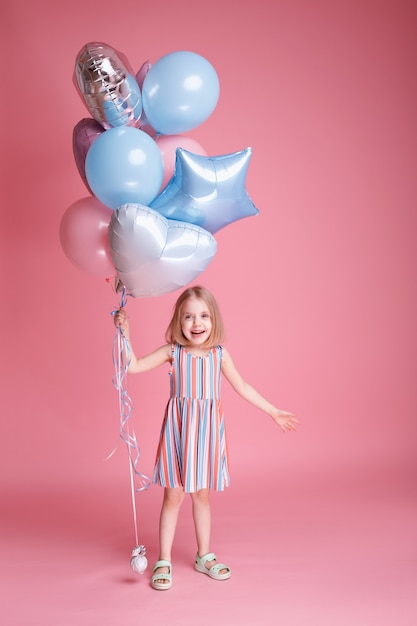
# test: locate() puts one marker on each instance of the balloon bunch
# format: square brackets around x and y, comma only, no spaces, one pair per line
[156,198]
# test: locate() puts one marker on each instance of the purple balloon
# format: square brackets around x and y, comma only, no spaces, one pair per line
[84,134]
[140,77]
[142,72]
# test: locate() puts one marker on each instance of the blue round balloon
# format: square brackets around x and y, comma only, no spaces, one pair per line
[180,91]
[124,165]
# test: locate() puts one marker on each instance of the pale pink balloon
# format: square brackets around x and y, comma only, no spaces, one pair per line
[168,145]
[84,236]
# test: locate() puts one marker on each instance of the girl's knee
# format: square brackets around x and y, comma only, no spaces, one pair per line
[173,496]
[202,496]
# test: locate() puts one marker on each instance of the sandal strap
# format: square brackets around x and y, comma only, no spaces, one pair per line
[207,557]
[162,563]
[218,567]
[156,577]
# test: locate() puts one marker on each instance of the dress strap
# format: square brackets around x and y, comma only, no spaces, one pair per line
[172,358]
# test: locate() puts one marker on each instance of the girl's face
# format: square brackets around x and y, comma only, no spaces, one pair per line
[196,322]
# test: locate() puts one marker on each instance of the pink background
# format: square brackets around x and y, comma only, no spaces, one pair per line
[318,294]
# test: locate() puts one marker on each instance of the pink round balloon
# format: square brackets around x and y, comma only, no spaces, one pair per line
[168,145]
[84,134]
[84,236]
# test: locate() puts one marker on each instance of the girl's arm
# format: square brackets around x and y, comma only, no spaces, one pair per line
[285,420]
[144,363]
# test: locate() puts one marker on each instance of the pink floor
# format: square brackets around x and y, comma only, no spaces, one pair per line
[319,553]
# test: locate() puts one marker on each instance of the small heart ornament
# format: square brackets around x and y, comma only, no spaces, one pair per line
[153,255]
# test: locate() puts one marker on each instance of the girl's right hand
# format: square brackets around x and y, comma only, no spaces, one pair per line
[120,319]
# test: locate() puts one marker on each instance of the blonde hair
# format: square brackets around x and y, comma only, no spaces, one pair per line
[174,333]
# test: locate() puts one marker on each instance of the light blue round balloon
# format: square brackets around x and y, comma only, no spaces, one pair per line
[124,165]
[180,92]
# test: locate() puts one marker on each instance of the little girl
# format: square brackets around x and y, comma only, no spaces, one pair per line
[192,451]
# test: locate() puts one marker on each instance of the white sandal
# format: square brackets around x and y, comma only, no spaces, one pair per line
[214,571]
[157,577]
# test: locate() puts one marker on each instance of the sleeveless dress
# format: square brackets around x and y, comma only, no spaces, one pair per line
[192,450]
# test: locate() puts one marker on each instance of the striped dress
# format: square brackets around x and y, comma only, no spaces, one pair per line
[192,450]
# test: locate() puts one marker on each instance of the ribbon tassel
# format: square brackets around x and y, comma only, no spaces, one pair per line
[121,361]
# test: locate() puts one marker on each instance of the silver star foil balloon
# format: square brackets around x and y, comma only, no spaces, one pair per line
[107,85]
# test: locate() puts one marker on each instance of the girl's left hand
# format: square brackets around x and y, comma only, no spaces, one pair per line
[286,421]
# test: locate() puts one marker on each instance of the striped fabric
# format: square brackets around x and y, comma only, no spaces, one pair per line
[192,450]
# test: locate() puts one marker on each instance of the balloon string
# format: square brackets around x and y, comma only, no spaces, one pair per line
[132,490]
[121,361]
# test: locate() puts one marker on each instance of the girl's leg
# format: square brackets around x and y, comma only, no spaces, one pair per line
[173,498]
[202,523]
[202,520]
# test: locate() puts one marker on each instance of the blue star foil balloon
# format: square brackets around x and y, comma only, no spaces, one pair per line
[153,255]
[209,192]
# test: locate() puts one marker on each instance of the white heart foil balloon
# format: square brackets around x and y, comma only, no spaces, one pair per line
[153,255]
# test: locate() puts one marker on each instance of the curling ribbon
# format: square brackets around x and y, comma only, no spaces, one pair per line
[121,361]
